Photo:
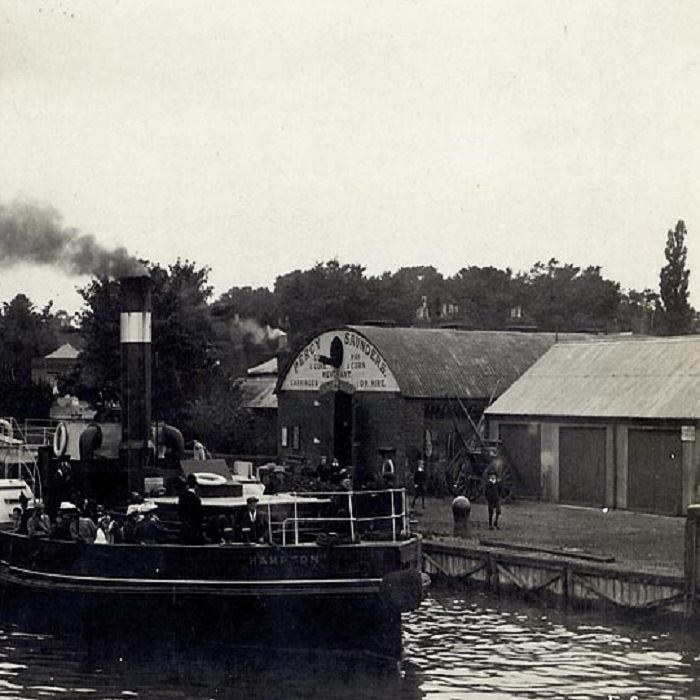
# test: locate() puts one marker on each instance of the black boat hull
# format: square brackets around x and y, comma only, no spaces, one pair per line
[342,598]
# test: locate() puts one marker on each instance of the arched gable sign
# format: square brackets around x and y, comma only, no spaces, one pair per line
[360,365]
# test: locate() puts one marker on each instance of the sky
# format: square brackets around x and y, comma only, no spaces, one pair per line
[258,137]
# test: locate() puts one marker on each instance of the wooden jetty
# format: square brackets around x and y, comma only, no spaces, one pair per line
[573,579]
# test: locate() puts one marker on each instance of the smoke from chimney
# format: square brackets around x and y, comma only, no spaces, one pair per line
[258,334]
[34,233]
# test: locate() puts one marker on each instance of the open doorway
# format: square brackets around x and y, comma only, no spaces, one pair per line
[343,428]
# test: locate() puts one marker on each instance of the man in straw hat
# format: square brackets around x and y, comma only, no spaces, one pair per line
[38,524]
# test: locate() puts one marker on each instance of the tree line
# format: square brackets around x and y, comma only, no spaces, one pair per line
[202,346]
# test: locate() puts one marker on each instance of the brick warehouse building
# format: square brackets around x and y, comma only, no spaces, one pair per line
[368,393]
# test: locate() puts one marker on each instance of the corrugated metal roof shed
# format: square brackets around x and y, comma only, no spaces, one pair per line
[655,378]
[440,362]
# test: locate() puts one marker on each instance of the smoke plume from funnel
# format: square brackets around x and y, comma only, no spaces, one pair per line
[34,233]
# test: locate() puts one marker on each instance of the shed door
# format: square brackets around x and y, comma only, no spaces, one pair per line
[522,444]
[582,466]
[655,481]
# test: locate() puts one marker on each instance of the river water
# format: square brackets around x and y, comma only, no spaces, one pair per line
[457,645]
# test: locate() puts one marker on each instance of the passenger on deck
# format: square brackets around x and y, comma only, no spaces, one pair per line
[82,529]
[271,484]
[190,511]
[106,528]
[38,524]
[127,533]
[251,524]
[345,480]
[17,520]
[61,488]
[61,529]
[149,530]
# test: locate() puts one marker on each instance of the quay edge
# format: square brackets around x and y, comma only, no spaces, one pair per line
[571,582]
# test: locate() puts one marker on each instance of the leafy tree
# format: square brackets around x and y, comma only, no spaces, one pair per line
[678,314]
[326,295]
[247,303]
[219,421]
[26,334]
[185,365]
[565,298]
[639,312]
[396,297]
[184,359]
[99,363]
[485,296]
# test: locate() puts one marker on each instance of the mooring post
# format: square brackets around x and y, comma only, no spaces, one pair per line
[692,523]
[461,509]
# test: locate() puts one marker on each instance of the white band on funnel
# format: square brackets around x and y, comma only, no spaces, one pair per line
[136,327]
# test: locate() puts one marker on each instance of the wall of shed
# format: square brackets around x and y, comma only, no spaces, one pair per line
[381,420]
[661,475]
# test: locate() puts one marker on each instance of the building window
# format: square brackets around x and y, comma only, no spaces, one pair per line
[285,437]
[296,440]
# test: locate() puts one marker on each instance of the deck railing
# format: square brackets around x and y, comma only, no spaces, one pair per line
[39,432]
[17,460]
[351,516]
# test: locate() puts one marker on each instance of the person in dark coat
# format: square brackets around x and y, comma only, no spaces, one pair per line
[251,524]
[60,530]
[149,530]
[492,493]
[419,483]
[189,507]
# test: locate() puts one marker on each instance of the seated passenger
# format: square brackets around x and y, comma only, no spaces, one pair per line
[17,520]
[106,528]
[149,529]
[61,529]
[82,529]
[38,524]
[127,533]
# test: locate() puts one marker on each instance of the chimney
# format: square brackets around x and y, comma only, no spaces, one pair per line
[135,324]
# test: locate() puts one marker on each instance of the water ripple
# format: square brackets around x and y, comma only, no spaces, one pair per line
[456,646]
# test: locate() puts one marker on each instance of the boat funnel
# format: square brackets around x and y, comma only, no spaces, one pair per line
[135,331]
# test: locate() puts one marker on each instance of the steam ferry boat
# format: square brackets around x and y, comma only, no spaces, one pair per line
[336,573]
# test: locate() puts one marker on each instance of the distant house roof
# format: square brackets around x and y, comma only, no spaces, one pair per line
[439,362]
[622,378]
[65,352]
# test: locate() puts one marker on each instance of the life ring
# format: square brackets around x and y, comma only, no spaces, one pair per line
[210,479]
[60,440]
